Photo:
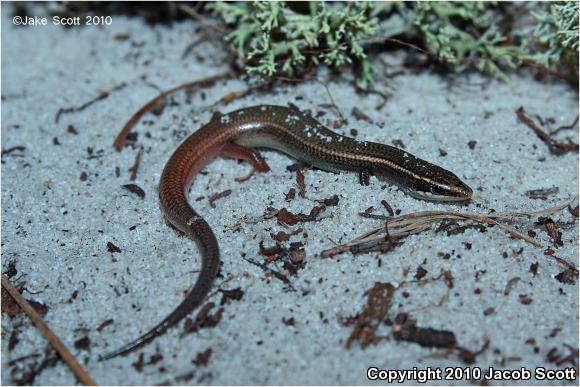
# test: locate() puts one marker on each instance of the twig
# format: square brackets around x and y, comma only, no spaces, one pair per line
[416,222]
[466,61]
[72,362]
[19,148]
[102,95]
[229,97]
[135,166]
[331,99]
[555,147]
[565,127]
[565,262]
[311,78]
[122,136]
[191,46]
[411,46]
[275,273]
[194,14]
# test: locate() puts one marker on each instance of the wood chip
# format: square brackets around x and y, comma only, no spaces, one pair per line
[542,193]
[202,358]
[405,329]
[233,294]
[288,218]
[368,321]
[112,248]
[301,184]
[134,188]
[219,195]
[203,319]
[568,276]
[359,115]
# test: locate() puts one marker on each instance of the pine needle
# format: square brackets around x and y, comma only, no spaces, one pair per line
[72,362]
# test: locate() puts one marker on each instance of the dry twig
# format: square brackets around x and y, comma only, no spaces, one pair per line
[402,226]
[135,166]
[122,136]
[556,147]
[102,95]
[202,20]
[72,362]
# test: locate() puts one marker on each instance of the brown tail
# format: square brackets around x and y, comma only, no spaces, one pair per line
[210,252]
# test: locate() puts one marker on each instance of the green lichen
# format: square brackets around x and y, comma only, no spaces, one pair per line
[272,39]
[558,32]
[464,33]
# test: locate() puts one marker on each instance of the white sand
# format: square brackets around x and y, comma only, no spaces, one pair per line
[56,227]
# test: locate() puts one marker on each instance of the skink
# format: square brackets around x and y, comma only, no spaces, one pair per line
[289,130]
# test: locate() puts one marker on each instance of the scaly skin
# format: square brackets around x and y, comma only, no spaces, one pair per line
[299,135]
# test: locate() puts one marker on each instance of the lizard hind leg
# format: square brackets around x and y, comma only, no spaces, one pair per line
[253,156]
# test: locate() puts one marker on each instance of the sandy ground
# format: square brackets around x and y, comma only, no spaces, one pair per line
[63,205]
